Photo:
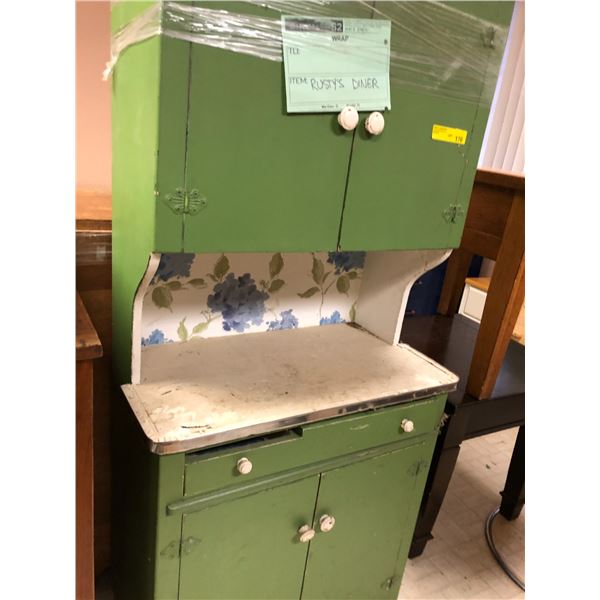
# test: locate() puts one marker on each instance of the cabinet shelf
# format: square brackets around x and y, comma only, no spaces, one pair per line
[210,391]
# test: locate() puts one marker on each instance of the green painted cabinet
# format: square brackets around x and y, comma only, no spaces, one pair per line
[374,503]
[207,158]
[204,531]
[271,181]
[247,548]
[402,184]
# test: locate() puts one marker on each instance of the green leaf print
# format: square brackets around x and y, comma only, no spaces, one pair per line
[318,270]
[162,297]
[221,267]
[275,265]
[182,331]
[276,285]
[343,284]
[309,292]
[197,283]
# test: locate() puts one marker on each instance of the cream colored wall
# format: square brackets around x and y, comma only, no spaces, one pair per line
[93,129]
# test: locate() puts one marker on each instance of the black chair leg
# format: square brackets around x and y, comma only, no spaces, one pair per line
[513,495]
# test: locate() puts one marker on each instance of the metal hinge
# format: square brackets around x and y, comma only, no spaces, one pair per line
[178,548]
[417,467]
[452,212]
[182,202]
[389,582]
[442,422]
[489,37]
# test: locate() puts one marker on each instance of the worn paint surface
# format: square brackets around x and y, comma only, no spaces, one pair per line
[221,389]
[249,548]
[269,181]
[401,182]
[326,440]
[372,502]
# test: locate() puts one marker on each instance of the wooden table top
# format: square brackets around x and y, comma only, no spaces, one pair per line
[87,342]
[93,211]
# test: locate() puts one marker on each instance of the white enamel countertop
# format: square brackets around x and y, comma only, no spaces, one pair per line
[210,391]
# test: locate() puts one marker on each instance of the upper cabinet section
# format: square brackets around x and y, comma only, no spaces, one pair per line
[207,159]
[268,180]
[407,190]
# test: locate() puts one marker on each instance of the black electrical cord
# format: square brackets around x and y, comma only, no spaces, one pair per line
[490,542]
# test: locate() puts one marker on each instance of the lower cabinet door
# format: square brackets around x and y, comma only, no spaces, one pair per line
[374,504]
[248,547]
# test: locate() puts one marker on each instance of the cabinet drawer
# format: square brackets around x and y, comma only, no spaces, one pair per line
[216,468]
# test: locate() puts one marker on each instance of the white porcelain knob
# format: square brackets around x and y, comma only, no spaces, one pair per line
[244,466]
[375,123]
[348,118]
[306,533]
[407,425]
[326,523]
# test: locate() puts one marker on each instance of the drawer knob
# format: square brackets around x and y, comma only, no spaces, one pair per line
[348,118]
[407,425]
[244,466]
[375,123]
[306,533]
[326,523]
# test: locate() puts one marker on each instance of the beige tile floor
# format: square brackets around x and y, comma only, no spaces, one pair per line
[457,562]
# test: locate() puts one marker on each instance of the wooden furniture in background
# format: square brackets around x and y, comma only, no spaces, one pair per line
[495,229]
[93,211]
[473,301]
[93,269]
[88,348]
[451,342]
[491,393]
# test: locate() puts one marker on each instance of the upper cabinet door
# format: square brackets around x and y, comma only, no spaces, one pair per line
[268,180]
[405,189]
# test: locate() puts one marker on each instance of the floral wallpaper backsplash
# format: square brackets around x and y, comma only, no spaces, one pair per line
[208,295]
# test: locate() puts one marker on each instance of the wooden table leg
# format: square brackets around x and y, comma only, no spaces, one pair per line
[84,468]
[513,495]
[502,306]
[454,281]
[442,466]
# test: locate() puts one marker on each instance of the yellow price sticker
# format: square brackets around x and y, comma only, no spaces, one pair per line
[441,133]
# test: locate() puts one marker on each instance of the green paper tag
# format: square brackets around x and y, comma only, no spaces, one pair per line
[332,63]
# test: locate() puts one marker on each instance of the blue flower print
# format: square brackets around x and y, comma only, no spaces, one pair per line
[239,301]
[174,265]
[346,261]
[156,337]
[333,319]
[288,321]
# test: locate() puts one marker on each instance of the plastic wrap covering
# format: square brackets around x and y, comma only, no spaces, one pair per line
[435,48]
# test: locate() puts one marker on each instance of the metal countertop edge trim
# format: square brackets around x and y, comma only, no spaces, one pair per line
[233,435]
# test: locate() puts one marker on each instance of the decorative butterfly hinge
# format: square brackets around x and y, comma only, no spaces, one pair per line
[182,202]
[180,548]
[452,212]
[489,37]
